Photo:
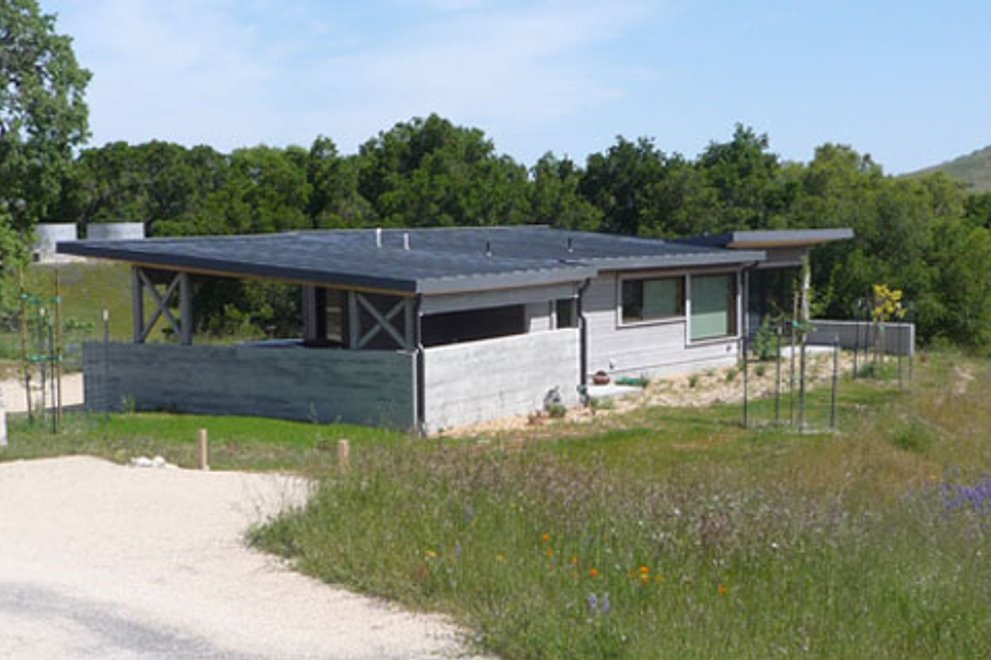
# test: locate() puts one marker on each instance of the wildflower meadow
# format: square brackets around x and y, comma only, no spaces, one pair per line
[674,533]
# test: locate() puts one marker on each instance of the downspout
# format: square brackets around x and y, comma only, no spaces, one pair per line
[420,412]
[583,333]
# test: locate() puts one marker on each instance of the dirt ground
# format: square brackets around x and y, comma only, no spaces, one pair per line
[107,561]
[12,391]
[696,389]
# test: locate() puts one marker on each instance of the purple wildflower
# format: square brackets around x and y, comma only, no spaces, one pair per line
[976,497]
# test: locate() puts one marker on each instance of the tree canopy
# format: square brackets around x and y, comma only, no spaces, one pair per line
[42,111]
[926,235]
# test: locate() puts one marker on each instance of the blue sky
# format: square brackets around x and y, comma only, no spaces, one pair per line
[904,81]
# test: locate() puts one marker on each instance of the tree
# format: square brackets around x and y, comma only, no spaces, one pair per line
[617,183]
[554,198]
[745,176]
[428,172]
[42,111]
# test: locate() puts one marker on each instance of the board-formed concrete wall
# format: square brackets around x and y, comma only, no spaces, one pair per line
[899,338]
[323,385]
[483,380]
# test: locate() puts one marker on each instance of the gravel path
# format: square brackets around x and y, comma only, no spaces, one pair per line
[13,399]
[105,561]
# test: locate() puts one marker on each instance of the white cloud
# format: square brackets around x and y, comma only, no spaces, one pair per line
[232,73]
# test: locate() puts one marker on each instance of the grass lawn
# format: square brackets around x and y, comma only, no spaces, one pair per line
[659,533]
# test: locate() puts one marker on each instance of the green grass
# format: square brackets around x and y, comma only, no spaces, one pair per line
[710,540]
[85,289]
[235,442]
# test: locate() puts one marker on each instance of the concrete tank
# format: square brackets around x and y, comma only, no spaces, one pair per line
[47,235]
[114,231]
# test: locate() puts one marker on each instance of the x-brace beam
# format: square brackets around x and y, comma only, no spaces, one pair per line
[178,287]
[382,322]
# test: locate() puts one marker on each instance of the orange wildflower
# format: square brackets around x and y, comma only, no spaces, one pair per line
[645,570]
[593,572]
[546,538]
[722,590]
[550,552]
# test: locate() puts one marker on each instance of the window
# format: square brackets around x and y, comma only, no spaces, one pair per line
[713,306]
[653,299]
[565,312]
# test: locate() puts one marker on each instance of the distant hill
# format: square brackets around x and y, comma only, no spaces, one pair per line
[974,168]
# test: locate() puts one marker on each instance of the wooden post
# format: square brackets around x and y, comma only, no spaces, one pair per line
[185,310]
[137,305]
[58,351]
[25,363]
[3,422]
[202,453]
[344,455]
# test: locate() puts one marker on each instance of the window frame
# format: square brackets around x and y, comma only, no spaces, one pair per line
[734,309]
[682,315]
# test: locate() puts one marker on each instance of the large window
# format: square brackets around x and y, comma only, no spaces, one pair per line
[713,306]
[652,299]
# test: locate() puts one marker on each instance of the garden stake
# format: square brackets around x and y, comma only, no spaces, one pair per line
[25,362]
[58,353]
[777,378]
[801,386]
[832,403]
[106,361]
[344,455]
[743,344]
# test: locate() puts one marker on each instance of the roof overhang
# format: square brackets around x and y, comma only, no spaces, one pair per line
[772,238]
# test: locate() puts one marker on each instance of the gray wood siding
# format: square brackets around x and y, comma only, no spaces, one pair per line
[454,302]
[361,387]
[483,380]
[538,316]
[654,349]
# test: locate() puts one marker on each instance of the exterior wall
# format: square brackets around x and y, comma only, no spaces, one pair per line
[104,231]
[361,387]
[538,316]
[654,349]
[899,338]
[455,302]
[482,380]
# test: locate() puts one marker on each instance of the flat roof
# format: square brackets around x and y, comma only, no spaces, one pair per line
[772,238]
[439,260]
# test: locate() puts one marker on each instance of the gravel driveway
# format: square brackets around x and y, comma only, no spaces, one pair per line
[105,561]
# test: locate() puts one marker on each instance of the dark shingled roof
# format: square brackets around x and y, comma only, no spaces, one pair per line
[440,260]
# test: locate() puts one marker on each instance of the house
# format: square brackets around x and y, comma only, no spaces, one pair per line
[434,328]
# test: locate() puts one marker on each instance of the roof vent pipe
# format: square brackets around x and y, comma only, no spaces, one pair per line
[405,240]
[378,237]
[488,249]
[571,247]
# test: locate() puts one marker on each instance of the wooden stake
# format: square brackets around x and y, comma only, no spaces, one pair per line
[3,422]
[58,351]
[344,455]
[202,450]
[25,364]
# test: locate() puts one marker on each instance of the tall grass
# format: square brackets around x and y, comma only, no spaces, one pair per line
[682,540]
